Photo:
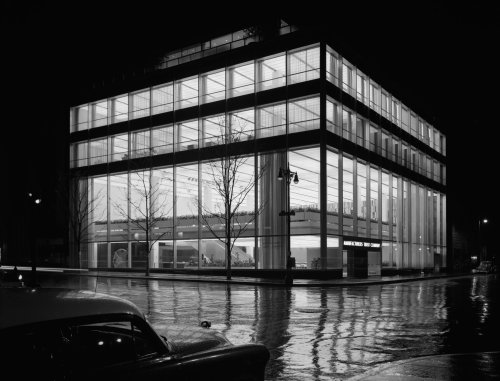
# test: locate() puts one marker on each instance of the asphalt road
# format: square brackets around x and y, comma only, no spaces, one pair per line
[324,333]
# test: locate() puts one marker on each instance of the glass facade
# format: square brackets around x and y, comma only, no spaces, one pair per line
[378,214]
[385,188]
[353,82]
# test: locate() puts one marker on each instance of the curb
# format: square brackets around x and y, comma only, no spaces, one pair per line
[207,279]
[267,283]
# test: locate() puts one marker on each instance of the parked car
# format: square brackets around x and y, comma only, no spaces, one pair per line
[485,267]
[62,334]
[11,278]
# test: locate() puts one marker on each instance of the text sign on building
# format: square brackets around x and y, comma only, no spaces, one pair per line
[356,243]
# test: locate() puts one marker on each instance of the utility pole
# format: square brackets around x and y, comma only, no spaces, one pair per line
[33,201]
[480,222]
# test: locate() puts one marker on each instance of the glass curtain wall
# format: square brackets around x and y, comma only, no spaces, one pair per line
[241,79]
[299,115]
[162,99]
[305,202]
[118,149]
[267,73]
[406,216]
[332,193]
[213,216]
[361,199]
[348,195]
[362,204]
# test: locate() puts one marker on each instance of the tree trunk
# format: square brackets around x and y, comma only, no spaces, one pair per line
[228,257]
[147,252]
[77,261]
[228,248]
[75,248]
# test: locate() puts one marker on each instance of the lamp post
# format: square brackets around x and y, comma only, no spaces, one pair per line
[288,176]
[481,221]
[33,201]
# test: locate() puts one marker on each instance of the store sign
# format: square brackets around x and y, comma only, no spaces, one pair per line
[362,244]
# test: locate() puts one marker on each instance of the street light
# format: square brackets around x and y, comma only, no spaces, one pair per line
[37,201]
[288,176]
[481,221]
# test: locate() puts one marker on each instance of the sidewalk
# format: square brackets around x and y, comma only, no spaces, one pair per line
[342,282]
[466,366]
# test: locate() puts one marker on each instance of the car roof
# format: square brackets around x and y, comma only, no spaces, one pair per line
[19,306]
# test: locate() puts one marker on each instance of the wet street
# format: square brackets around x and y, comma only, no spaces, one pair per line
[324,333]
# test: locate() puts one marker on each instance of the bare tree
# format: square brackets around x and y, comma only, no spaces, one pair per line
[232,188]
[149,205]
[81,206]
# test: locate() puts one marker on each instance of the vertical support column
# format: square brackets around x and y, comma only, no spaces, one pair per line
[257,203]
[273,228]
[288,274]
[417,227]
[424,228]
[355,196]
[430,221]
[423,233]
[323,202]
[174,215]
[201,91]
[446,232]
[399,223]
[390,217]
[154,261]
[379,203]
[323,182]
[153,185]
[286,167]
[200,198]
[84,186]
[368,201]
[108,218]
[129,256]
[409,225]
[129,230]
[92,262]
[341,193]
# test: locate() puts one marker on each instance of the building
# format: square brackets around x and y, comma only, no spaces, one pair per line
[371,190]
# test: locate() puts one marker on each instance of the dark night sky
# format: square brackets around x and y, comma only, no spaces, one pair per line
[438,59]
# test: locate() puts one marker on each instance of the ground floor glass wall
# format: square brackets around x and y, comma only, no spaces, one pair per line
[362,200]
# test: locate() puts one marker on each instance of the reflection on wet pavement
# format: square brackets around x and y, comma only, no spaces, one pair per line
[324,333]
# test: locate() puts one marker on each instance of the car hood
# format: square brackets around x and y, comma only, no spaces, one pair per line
[187,339]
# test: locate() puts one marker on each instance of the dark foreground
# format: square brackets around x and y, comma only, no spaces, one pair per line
[329,333]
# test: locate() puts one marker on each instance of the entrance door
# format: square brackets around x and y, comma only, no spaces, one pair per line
[374,263]
[363,256]
[357,263]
